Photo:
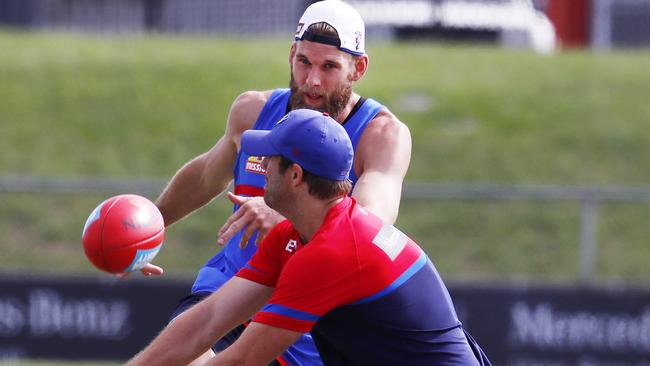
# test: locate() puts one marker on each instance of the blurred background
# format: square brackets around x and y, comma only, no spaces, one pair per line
[529,185]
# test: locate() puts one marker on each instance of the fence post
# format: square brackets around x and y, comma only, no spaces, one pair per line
[588,237]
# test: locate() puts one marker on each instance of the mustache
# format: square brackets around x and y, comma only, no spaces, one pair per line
[305,89]
[332,103]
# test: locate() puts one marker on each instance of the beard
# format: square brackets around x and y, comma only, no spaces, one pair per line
[333,104]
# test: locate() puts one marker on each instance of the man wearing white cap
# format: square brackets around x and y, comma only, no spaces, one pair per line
[366,291]
[326,58]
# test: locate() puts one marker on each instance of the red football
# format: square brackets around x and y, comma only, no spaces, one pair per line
[123,233]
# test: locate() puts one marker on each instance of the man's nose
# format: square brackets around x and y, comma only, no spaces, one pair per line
[314,78]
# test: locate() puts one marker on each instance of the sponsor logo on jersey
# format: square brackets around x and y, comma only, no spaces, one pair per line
[390,240]
[292,245]
[254,165]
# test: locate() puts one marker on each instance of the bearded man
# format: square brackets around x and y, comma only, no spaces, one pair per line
[326,58]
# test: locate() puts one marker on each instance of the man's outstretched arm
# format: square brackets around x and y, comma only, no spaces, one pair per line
[193,332]
[258,345]
[207,175]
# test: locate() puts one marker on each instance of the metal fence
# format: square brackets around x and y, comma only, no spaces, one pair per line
[620,23]
[589,198]
[241,17]
[614,23]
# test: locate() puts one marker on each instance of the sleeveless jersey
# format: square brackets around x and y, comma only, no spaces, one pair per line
[249,181]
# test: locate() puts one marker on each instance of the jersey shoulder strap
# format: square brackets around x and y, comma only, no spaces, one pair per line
[274,109]
[356,123]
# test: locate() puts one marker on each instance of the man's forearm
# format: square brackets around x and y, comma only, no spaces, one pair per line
[187,191]
[179,343]
[193,332]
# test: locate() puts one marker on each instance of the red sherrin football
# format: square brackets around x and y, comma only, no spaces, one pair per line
[123,233]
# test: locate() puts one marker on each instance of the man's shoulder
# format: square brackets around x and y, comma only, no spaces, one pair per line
[344,227]
[387,131]
[246,108]
[251,97]
[385,123]
[385,127]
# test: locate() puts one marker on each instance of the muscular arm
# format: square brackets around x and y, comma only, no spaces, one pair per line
[382,159]
[198,181]
[258,345]
[194,331]
[207,175]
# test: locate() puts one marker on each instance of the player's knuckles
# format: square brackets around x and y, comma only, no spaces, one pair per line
[260,222]
[252,216]
[254,211]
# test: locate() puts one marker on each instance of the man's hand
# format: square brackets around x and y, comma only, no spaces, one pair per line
[151,270]
[148,270]
[253,214]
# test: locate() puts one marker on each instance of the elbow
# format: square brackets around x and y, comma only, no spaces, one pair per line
[392,219]
[389,211]
[387,214]
[390,216]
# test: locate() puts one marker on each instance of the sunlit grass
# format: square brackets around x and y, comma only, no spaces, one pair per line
[77,106]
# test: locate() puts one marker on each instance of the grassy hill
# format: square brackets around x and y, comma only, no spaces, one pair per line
[135,107]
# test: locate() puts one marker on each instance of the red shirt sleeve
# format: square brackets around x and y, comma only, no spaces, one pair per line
[266,264]
[312,283]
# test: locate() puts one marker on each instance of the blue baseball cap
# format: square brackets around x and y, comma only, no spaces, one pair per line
[312,139]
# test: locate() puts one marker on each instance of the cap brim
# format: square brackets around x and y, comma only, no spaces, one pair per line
[257,143]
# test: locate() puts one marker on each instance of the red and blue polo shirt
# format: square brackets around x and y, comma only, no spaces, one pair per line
[366,291]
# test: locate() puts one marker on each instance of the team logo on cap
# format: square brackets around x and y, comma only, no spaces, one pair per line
[299,28]
[357,39]
[254,165]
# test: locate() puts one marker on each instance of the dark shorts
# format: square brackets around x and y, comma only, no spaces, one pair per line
[228,339]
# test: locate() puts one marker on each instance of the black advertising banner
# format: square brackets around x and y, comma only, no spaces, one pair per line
[557,325]
[77,318]
[110,319]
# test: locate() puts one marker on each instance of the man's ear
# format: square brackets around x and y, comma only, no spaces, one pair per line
[296,175]
[292,52]
[360,67]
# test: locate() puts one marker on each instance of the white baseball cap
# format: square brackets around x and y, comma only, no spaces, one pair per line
[340,16]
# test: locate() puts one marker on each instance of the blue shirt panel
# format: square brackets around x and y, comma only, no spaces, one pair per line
[417,318]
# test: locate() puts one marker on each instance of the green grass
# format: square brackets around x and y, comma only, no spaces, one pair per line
[74,106]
